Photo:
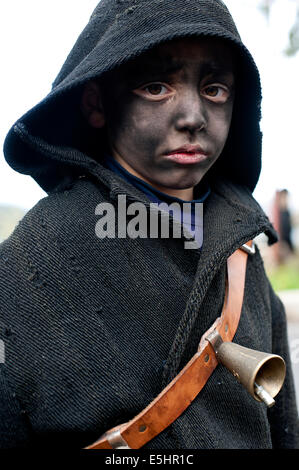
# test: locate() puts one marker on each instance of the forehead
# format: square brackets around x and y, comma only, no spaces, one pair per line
[202,56]
[208,53]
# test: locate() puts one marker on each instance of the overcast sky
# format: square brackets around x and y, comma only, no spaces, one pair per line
[36,36]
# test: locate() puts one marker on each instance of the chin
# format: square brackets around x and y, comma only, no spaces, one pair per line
[184,183]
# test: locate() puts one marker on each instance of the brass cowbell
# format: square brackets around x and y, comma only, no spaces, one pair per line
[262,374]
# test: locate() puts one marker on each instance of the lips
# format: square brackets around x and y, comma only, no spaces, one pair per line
[188,154]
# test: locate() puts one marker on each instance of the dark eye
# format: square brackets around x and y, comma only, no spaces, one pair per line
[216,93]
[155,89]
[212,90]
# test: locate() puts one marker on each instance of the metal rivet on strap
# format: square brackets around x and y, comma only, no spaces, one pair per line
[207,357]
[116,440]
[248,249]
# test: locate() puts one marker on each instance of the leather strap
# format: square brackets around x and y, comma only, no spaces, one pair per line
[184,388]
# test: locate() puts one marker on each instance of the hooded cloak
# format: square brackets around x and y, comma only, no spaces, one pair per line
[52,142]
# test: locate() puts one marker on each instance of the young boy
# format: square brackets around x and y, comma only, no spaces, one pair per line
[158,102]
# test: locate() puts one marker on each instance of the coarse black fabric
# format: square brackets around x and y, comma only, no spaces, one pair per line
[94,328]
[88,325]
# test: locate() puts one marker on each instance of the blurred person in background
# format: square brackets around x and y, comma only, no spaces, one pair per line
[285,222]
[282,220]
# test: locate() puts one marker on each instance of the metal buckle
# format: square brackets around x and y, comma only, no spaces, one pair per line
[116,440]
[248,249]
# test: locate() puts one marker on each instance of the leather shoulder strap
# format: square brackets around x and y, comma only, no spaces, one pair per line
[184,388]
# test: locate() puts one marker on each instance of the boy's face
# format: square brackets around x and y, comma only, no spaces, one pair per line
[168,113]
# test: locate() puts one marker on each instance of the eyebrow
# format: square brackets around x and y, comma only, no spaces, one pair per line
[152,68]
[216,68]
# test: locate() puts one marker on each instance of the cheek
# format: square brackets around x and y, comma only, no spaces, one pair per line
[220,124]
[133,126]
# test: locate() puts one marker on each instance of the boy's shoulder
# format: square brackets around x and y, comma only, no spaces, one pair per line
[43,241]
[57,214]
[67,219]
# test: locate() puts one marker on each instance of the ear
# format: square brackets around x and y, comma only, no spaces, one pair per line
[91,105]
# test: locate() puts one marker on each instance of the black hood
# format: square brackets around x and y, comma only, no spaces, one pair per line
[53,143]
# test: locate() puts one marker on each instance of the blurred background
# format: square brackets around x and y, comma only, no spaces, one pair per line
[35,39]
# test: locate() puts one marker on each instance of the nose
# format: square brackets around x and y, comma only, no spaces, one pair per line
[191,114]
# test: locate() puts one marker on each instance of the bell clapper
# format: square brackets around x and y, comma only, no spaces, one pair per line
[262,374]
[264,395]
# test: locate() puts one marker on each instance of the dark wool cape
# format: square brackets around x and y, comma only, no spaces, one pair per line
[95,328]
